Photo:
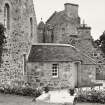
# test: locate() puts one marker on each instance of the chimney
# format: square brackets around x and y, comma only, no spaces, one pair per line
[84,31]
[71,10]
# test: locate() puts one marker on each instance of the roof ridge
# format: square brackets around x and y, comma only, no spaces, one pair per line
[53,44]
[94,61]
[51,16]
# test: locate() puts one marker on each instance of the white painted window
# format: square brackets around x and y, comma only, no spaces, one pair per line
[55,69]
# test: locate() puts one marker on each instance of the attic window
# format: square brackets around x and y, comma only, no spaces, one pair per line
[55,68]
[95,55]
[99,61]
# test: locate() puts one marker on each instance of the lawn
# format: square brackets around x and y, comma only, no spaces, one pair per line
[19,100]
[15,100]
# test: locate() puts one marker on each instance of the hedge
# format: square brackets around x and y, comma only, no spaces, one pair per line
[26,91]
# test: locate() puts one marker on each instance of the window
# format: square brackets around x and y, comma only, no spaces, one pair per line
[97,73]
[63,30]
[94,54]
[52,36]
[31,27]
[55,68]
[7,16]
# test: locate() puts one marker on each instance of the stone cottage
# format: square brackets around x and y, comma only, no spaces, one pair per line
[18,17]
[59,66]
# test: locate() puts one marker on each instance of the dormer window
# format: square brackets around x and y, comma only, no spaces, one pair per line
[95,55]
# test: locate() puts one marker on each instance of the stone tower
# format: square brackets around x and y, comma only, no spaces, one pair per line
[18,17]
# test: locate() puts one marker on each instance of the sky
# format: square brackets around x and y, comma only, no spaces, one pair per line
[92,11]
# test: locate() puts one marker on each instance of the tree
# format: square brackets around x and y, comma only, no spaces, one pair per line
[101,42]
[2,40]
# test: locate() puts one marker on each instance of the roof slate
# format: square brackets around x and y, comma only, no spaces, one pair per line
[56,53]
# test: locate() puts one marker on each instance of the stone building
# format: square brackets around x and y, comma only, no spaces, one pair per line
[65,27]
[18,17]
[60,66]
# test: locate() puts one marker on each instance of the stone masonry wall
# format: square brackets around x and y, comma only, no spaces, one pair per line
[40,74]
[64,28]
[18,38]
[88,74]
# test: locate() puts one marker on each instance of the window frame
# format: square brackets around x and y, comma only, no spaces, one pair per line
[55,70]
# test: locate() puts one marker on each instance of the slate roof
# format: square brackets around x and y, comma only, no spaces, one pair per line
[61,17]
[57,52]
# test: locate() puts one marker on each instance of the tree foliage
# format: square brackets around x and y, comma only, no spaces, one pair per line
[101,42]
[2,40]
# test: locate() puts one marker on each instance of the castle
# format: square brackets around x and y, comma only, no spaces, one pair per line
[65,27]
[66,54]
[61,29]
[18,17]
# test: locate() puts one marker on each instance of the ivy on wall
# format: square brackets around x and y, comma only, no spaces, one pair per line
[2,40]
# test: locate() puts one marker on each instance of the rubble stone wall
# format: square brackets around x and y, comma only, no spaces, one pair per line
[41,74]
[19,38]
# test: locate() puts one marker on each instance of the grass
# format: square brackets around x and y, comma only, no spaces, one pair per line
[15,100]
[19,100]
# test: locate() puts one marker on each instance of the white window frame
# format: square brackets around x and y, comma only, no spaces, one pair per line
[55,69]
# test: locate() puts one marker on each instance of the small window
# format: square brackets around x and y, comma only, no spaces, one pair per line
[55,68]
[7,16]
[31,27]
[63,30]
[97,74]
[94,54]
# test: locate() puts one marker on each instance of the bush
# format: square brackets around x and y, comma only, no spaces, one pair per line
[92,96]
[71,91]
[1,89]
[46,89]
[21,91]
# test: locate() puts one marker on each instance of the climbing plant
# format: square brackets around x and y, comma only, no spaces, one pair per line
[2,40]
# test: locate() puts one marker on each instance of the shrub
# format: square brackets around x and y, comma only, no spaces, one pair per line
[26,91]
[46,89]
[71,91]
[92,96]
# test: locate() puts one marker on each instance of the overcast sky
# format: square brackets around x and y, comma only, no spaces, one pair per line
[92,11]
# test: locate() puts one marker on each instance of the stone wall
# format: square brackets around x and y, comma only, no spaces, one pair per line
[19,38]
[70,74]
[40,74]
[88,75]
[63,28]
